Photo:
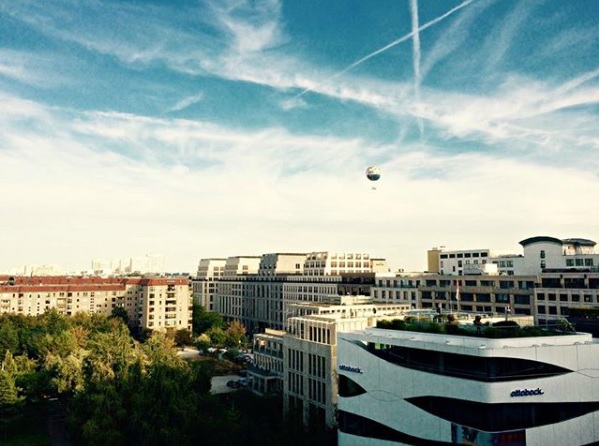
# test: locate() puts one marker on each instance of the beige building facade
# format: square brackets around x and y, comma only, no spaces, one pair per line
[155,303]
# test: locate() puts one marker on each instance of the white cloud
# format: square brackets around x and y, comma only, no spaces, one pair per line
[261,187]
[104,182]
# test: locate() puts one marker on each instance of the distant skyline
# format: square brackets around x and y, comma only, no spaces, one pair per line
[220,128]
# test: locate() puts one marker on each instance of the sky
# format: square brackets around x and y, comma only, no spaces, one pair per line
[216,128]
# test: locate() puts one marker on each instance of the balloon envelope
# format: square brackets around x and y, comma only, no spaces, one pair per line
[373,173]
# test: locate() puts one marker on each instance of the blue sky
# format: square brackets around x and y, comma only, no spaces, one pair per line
[218,128]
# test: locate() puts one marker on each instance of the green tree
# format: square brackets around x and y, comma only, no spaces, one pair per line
[65,374]
[235,334]
[9,336]
[203,342]
[203,320]
[217,336]
[120,313]
[183,337]
[9,392]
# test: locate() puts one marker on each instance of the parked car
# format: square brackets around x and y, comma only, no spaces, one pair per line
[233,384]
[243,382]
[246,358]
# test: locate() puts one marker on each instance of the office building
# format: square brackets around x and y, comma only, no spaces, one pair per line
[413,388]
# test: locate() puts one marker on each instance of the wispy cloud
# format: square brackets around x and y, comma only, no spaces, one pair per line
[491,128]
[186,102]
[504,34]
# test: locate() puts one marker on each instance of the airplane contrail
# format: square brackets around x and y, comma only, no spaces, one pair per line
[415,44]
[390,45]
[416,57]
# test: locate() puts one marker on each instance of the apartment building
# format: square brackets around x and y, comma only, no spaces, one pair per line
[166,304]
[204,284]
[265,374]
[232,285]
[258,290]
[151,302]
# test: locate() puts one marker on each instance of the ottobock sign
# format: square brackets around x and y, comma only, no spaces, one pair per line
[527,392]
[350,368]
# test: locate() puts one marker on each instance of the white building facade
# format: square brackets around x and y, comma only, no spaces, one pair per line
[411,388]
[204,285]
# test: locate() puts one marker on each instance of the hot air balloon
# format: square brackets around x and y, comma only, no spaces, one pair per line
[373,173]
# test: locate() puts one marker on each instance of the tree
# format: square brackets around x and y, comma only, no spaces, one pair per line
[203,320]
[9,392]
[217,336]
[235,334]
[9,336]
[203,342]
[120,313]
[183,337]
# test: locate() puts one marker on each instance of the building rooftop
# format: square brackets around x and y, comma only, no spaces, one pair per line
[539,239]
[460,342]
[481,327]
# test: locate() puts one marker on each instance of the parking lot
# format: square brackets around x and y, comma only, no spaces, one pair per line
[219,383]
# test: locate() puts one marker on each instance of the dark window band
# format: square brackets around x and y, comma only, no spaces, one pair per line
[348,387]
[501,416]
[353,424]
[478,368]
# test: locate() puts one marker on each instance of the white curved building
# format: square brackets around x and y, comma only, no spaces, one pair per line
[412,388]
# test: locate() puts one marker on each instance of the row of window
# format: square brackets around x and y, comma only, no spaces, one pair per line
[464,255]
[295,383]
[316,365]
[552,297]
[477,368]
[295,359]
[317,391]
[579,262]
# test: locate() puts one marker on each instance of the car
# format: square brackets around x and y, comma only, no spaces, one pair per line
[243,382]
[243,359]
[233,384]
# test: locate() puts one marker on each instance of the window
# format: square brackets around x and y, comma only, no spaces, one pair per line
[477,368]
[588,262]
[569,262]
[542,253]
[348,387]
